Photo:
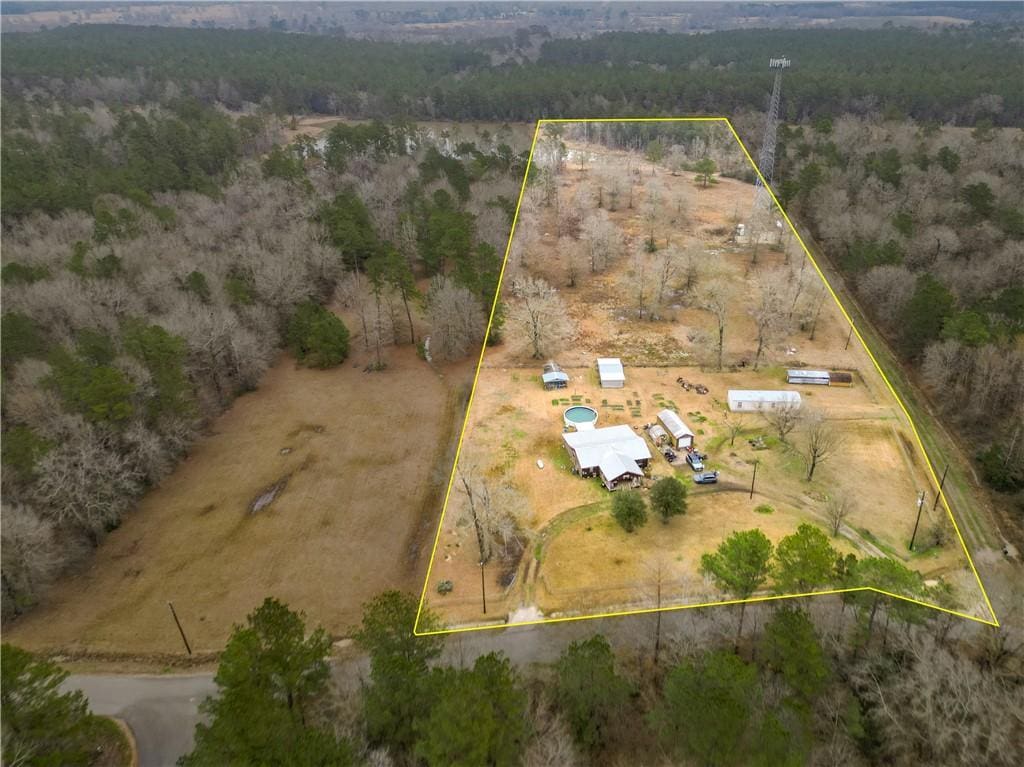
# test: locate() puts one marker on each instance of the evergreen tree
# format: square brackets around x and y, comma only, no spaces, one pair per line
[668,497]
[629,509]
[42,726]
[316,336]
[790,647]
[477,717]
[925,314]
[740,566]
[400,690]
[804,560]
[589,692]
[706,709]
[271,673]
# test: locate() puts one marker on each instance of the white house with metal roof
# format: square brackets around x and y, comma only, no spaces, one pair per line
[680,434]
[615,453]
[610,371]
[750,400]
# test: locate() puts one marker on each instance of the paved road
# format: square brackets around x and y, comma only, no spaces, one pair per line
[162,711]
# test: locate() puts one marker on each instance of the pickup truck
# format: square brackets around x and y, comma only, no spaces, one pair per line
[706,478]
[696,463]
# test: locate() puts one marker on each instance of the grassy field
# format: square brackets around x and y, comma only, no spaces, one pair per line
[359,461]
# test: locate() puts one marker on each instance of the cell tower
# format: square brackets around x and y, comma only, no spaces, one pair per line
[766,160]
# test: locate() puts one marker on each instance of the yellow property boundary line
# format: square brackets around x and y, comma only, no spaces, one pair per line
[642,611]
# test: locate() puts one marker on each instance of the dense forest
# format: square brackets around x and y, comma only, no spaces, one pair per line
[927,223]
[960,76]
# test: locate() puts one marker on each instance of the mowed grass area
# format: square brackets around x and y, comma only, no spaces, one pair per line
[591,567]
[365,458]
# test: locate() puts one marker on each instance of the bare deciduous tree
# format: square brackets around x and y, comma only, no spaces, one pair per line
[769,314]
[838,508]
[717,298]
[735,423]
[494,507]
[456,320]
[601,239]
[31,556]
[821,440]
[783,419]
[539,315]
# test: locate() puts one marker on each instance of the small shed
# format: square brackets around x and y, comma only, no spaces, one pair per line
[553,376]
[610,371]
[680,435]
[657,434]
[815,377]
[839,378]
[749,400]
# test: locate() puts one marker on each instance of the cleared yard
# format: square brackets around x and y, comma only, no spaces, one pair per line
[574,559]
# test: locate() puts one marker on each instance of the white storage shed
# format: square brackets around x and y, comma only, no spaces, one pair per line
[680,434]
[610,371]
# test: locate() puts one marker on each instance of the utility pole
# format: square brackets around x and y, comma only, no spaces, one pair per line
[920,507]
[848,337]
[753,478]
[766,158]
[483,588]
[180,629]
[942,483]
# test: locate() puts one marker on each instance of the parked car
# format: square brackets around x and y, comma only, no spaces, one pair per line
[695,461]
[706,478]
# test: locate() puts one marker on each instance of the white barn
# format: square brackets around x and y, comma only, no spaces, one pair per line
[610,371]
[615,453]
[749,400]
[680,434]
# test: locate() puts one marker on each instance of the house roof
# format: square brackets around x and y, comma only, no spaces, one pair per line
[610,369]
[552,367]
[757,395]
[614,464]
[552,377]
[591,446]
[674,424]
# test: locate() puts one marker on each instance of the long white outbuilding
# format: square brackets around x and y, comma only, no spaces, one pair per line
[754,400]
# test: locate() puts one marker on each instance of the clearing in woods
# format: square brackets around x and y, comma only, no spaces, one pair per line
[555,551]
[358,462]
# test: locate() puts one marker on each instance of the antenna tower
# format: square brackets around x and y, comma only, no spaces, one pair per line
[766,160]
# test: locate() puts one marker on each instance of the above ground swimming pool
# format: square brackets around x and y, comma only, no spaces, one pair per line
[580,417]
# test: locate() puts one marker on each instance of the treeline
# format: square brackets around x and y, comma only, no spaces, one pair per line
[132,317]
[928,76]
[55,158]
[927,223]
